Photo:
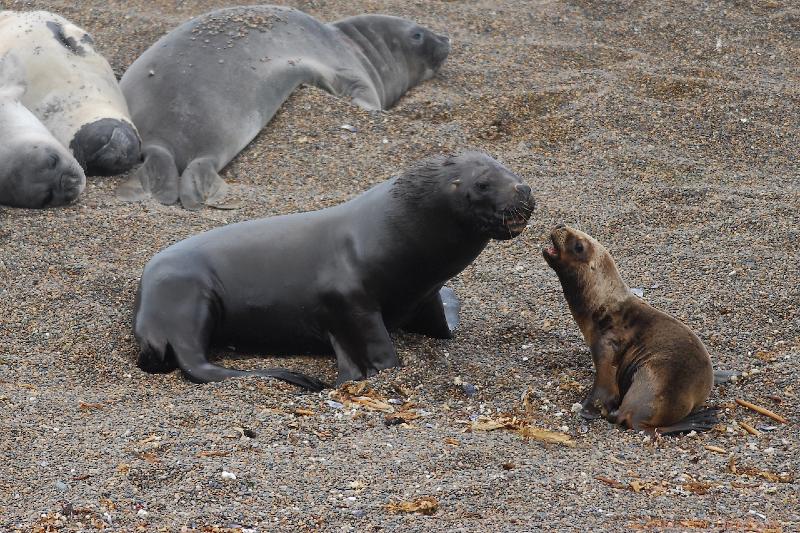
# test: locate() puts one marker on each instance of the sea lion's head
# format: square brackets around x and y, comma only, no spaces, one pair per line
[588,274]
[482,196]
[37,171]
[402,52]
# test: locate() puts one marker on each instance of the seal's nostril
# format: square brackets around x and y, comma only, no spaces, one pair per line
[522,188]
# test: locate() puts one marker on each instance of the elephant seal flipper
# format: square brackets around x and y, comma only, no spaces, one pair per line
[201,185]
[156,177]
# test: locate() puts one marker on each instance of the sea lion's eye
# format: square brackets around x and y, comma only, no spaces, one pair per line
[417,36]
[52,161]
[482,186]
[578,247]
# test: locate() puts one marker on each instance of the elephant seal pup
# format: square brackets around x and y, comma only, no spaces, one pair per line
[652,373]
[72,90]
[335,280]
[35,169]
[202,92]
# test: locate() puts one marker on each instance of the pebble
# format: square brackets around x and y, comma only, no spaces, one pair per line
[61,486]
[228,475]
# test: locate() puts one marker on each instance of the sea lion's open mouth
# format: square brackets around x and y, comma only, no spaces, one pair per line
[516,224]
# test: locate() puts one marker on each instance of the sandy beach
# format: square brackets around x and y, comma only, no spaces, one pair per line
[666,129]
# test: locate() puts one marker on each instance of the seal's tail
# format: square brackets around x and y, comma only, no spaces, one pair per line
[157,177]
[699,420]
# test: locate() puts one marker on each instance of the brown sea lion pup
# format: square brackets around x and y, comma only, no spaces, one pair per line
[652,373]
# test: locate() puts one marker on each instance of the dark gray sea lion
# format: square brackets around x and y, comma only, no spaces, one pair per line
[35,169]
[336,280]
[652,373]
[72,90]
[203,91]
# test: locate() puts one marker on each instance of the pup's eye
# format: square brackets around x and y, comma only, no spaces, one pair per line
[482,186]
[578,247]
[417,36]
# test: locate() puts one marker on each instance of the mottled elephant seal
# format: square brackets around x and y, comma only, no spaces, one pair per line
[35,169]
[652,373]
[203,91]
[336,280]
[72,90]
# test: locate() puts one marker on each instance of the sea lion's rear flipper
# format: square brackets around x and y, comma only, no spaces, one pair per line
[702,419]
[157,177]
[209,372]
[437,317]
[724,376]
[201,185]
[197,369]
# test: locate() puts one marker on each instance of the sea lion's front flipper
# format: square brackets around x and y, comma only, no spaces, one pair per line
[362,344]
[157,177]
[437,317]
[201,185]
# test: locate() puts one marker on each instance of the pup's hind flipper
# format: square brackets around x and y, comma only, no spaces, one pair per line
[702,419]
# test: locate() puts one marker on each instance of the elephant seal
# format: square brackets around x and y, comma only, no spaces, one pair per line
[335,280]
[35,169]
[72,90]
[202,92]
[652,373]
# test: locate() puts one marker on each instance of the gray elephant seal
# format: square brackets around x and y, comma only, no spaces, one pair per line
[72,90]
[336,280]
[35,169]
[202,92]
[652,373]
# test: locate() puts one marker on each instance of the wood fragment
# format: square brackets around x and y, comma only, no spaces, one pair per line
[611,482]
[761,410]
[750,429]
[716,449]
[213,453]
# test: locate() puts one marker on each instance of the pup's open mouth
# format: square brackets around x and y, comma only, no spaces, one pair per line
[551,250]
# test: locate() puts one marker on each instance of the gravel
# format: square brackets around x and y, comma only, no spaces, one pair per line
[666,129]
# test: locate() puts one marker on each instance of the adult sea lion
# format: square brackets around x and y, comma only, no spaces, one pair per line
[72,90]
[203,91]
[652,373]
[335,280]
[35,169]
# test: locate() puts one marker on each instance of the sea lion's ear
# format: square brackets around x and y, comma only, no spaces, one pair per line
[12,78]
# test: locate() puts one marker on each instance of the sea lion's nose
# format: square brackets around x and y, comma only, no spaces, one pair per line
[523,189]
